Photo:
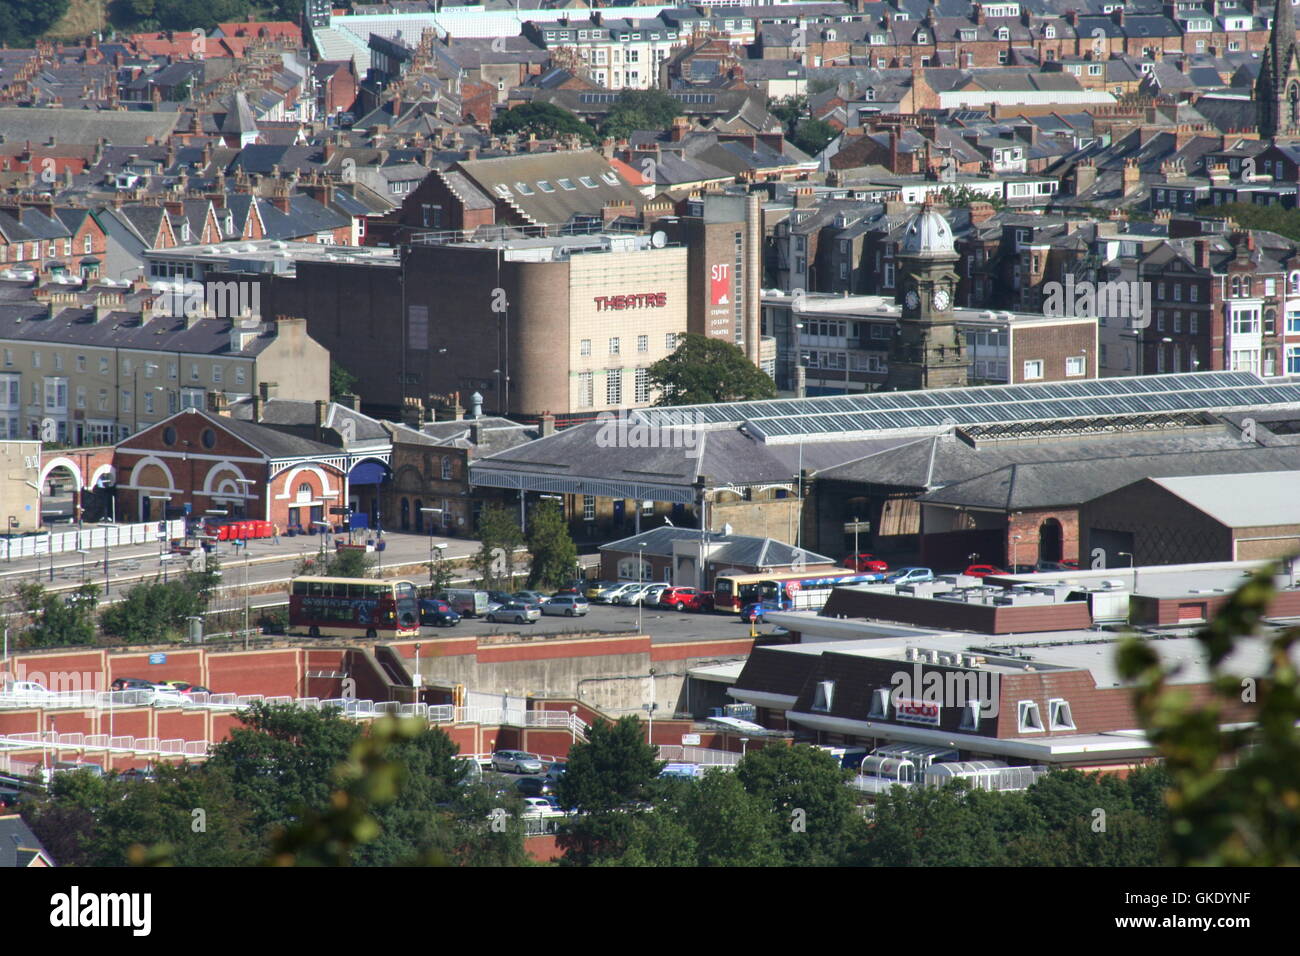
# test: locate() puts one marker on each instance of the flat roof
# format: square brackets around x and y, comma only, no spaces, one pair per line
[1160,581]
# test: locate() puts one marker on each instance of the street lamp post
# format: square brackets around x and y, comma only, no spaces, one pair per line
[640,576]
[1015,553]
[855,542]
[1132,563]
[744,744]
[417,680]
[82,552]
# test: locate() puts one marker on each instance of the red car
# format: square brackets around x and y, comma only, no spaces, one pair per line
[982,571]
[865,562]
[686,599]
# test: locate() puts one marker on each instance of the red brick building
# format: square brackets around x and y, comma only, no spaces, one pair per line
[205,461]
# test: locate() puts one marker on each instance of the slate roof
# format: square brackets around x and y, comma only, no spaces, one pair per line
[559,205]
[123,127]
[18,844]
[74,325]
[739,549]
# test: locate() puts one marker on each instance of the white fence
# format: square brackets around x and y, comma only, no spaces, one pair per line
[88,538]
[675,753]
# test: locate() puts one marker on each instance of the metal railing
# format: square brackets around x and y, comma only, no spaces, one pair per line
[88,537]
[705,757]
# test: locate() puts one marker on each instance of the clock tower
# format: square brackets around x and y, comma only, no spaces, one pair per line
[927,349]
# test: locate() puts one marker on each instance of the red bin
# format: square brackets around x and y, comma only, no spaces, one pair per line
[264,529]
[223,532]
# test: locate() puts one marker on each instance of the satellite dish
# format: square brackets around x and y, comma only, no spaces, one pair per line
[659,240]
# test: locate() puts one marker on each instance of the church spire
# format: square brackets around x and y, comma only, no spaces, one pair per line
[1277,91]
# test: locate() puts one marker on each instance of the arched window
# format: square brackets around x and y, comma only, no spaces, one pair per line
[1236,286]
[1294,280]
[1245,286]
[304,491]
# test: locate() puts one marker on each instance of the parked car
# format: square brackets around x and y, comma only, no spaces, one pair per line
[982,571]
[633,595]
[515,761]
[534,786]
[514,613]
[186,688]
[1024,569]
[466,602]
[652,594]
[165,696]
[611,594]
[566,605]
[435,613]
[25,689]
[537,806]
[530,597]
[500,597]
[593,588]
[910,576]
[572,587]
[865,562]
[131,683]
[752,613]
[686,599]
[555,771]
[1053,566]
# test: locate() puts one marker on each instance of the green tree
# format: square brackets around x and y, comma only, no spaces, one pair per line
[201,14]
[706,370]
[551,545]
[730,826]
[342,382]
[153,612]
[804,788]
[22,22]
[1244,815]
[961,196]
[56,620]
[499,536]
[281,761]
[813,135]
[640,109]
[544,121]
[788,110]
[613,768]
[1285,222]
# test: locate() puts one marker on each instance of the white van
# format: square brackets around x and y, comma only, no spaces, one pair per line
[465,602]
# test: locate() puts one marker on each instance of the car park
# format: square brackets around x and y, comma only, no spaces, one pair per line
[435,613]
[593,588]
[865,562]
[910,576]
[500,597]
[530,597]
[466,601]
[566,605]
[516,761]
[514,613]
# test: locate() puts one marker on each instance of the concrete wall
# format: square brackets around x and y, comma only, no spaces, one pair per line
[20,504]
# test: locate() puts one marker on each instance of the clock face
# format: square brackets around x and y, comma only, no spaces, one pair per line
[912,299]
[941,299]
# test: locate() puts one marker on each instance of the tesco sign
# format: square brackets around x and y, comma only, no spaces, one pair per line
[916,711]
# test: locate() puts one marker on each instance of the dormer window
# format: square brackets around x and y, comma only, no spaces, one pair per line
[879,703]
[1031,721]
[970,716]
[1049,33]
[1004,33]
[824,696]
[922,37]
[1059,715]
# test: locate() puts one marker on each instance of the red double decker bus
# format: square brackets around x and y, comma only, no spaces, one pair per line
[347,607]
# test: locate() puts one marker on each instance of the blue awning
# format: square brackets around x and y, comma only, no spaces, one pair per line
[368,473]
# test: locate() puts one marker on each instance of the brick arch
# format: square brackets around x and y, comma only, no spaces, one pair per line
[140,470]
[67,463]
[289,482]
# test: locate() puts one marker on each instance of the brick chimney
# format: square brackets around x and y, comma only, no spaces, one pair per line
[322,416]
[1085,174]
[1202,247]
[1132,176]
[981,212]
